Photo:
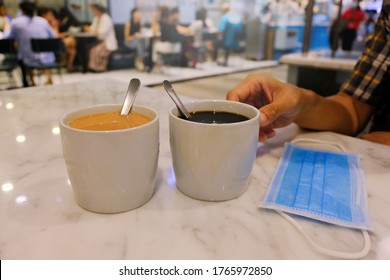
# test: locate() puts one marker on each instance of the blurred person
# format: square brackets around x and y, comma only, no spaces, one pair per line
[227,16]
[134,39]
[198,28]
[228,37]
[174,18]
[170,39]
[4,12]
[201,25]
[369,21]
[353,17]
[156,19]
[363,100]
[334,26]
[266,13]
[155,27]
[67,21]
[50,15]
[183,35]
[5,19]
[103,27]
[23,29]
[69,42]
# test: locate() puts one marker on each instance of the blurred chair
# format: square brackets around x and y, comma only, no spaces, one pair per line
[54,45]
[169,53]
[200,52]
[165,53]
[10,61]
[123,57]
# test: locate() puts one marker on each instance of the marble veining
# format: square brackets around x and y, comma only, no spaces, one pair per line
[40,219]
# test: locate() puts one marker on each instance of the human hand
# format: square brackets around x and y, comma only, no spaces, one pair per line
[280,103]
[380,137]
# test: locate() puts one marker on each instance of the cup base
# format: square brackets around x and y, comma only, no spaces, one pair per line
[112,210]
[214,199]
[118,207]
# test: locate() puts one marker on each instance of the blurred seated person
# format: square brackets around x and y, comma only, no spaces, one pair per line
[69,42]
[156,19]
[103,27]
[5,19]
[23,29]
[171,38]
[68,23]
[198,28]
[134,38]
[229,26]
[50,15]
[174,15]
[4,12]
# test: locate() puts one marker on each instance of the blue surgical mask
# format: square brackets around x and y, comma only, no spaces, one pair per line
[321,185]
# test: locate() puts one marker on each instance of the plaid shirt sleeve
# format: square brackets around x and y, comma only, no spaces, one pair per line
[370,71]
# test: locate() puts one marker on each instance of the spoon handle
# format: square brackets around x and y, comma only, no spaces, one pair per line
[131,94]
[171,92]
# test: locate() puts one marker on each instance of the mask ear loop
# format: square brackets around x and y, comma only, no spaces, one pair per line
[332,253]
[341,147]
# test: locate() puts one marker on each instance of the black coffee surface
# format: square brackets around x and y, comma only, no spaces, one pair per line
[217,117]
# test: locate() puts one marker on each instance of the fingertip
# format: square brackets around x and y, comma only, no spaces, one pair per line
[262,136]
[263,119]
[271,133]
[232,96]
[268,114]
[266,133]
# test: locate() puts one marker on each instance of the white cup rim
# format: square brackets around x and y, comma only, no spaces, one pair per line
[67,114]
[250,107]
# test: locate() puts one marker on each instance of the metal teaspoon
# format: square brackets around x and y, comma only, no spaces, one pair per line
[131,94]
[171,92]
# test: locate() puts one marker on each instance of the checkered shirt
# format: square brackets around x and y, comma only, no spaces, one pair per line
[370,80]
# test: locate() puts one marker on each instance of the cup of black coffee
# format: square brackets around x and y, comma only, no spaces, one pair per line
[213,152]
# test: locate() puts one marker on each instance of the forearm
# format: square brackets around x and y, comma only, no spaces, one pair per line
[283,103]
[182,29]
[336,113]
[126,34]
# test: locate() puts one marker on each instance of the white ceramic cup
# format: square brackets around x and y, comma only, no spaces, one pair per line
[213,162]
[111,171]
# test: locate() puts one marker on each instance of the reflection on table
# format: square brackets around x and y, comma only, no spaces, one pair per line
[41,220]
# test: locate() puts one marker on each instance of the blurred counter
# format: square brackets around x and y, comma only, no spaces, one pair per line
[273,40]
[321,60]
[319,71]
[41,220]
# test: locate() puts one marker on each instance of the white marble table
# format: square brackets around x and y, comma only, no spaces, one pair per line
[39,218]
